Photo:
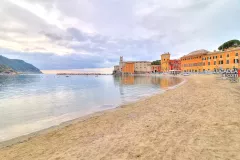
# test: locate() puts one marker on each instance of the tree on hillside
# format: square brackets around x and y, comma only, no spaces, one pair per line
[157,62]
[229,44]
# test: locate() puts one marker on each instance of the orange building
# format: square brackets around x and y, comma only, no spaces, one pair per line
[128,67]
[202,60]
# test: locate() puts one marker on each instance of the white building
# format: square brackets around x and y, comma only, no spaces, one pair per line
[142,67]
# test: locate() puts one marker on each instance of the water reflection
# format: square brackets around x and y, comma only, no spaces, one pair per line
[163,82]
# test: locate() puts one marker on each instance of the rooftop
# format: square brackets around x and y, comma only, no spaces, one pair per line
[197,52]
[201,51]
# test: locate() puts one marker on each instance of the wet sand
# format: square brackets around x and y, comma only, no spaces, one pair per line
[198,120]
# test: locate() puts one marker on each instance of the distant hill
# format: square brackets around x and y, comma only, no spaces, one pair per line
[18,65]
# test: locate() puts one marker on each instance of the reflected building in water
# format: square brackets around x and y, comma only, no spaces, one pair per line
[163,82]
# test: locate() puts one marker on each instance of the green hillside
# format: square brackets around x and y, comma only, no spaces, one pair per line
[18,65]
[6,70]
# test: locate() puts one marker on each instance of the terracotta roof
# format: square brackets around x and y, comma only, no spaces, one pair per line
[201,51]
[197,52]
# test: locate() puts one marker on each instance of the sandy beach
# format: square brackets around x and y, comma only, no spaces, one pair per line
[198,120]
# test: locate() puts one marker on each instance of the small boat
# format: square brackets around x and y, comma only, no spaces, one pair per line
[67,76]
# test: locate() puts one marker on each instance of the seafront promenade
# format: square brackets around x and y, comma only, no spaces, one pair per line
[198,120]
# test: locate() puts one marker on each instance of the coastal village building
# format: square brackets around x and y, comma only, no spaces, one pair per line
[165,58]
[167,64]
[116,68]
[175,64]
[197,61]
[202,60]
[131,67]
[141,67]
[156,68]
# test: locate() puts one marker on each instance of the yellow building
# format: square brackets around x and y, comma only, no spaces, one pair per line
[165,58]
[202,60]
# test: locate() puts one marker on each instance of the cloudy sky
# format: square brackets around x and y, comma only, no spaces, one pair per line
[71,34]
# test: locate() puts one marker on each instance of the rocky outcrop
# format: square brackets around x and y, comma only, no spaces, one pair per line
[4,70]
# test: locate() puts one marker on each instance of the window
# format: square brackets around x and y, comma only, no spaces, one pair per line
[220,62]
[236,54]
[227,56]
[214,62]
[236,61]
[209,63]
[220,56]
[227,61]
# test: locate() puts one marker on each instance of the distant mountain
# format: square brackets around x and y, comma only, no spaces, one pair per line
[18,65]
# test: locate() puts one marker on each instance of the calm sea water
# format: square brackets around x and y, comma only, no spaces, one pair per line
[29,103]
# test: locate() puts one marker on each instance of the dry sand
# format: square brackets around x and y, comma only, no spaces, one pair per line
[198,120]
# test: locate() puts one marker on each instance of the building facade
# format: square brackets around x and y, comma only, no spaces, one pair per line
[116,68]
[202,60]
[142,67]
[197,61]
[128,68]
[175,64]
[165,58]
[133,67]
[156,68]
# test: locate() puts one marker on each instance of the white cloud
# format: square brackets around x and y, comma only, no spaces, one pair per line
[137,29]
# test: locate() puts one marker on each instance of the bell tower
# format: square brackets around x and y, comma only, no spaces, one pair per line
[165,58]
[121,63]
[121,58]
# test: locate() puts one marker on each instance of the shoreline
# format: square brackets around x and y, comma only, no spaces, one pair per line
[24,138]
[197,120]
